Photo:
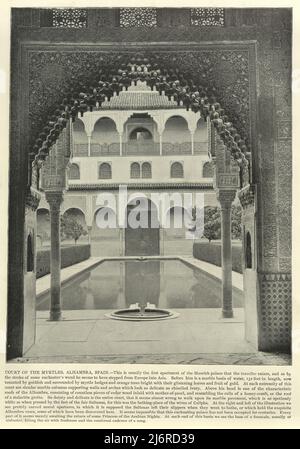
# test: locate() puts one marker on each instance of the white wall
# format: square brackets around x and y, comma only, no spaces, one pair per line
[121,169]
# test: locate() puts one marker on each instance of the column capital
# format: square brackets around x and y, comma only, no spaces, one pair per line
[54,199]
[226,198]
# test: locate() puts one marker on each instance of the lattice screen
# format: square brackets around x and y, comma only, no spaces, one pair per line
[207,16]
[138,17]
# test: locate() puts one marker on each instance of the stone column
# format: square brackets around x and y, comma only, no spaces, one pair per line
[120,140]
[192,142]
[226,197]
[89,144]
[55,199]
[160,144]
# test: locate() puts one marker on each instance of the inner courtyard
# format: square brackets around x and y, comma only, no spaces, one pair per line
[190,118]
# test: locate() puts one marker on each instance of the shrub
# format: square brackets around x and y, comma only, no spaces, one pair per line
[211,253]
[69,256]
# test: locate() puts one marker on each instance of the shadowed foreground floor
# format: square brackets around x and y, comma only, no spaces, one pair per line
[196,336]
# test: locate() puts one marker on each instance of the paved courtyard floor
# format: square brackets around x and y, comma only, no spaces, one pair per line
[196,336]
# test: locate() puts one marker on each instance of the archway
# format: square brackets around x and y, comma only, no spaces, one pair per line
[176,137]
[105,138]
[80,139]
[140,135]
[73,227]
[176,241]
[105,235]
[43,227]
[226,147]
[142,230]
[235,143]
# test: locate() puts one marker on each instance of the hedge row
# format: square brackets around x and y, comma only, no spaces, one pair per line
[69,255]
[211,252]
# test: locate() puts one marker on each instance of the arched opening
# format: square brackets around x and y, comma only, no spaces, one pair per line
[146,170]
[105,235]
[176,232]
[176,170]
[207,170]
[105,138]
[140,134]
[176,137]
[248,252]
[142,230]
[201,137]
[135,170]
[30,254]
[105,171]
[74,172]
[80,139]
[43,226]
[73,227]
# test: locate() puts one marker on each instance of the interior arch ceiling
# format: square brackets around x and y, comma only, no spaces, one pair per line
[189,83]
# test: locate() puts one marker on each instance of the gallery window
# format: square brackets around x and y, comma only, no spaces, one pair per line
[105,171]
[146,170]
[176,170]
[135,171]
[207,171]
[74,172]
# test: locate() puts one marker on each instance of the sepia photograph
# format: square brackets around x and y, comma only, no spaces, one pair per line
[150,186]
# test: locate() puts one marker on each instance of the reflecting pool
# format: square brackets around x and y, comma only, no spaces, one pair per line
[118,284]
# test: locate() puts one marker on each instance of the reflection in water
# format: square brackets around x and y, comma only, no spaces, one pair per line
[142,282]
[117,284]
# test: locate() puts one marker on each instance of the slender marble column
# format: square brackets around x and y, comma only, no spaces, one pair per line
[192,142]
[160,144]
[55,199]
[120,139]
[226,198]
[89,145]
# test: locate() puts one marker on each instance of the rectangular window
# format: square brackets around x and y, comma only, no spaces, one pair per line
[138,17]
[63,18]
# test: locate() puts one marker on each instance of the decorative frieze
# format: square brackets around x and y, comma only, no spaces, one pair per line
[53,75]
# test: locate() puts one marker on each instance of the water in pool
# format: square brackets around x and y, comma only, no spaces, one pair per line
[169,284]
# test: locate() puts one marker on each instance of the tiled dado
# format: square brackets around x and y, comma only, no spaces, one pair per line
[275,311]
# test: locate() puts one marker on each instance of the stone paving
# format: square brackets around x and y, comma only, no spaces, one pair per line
[259,358]
[196,336]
